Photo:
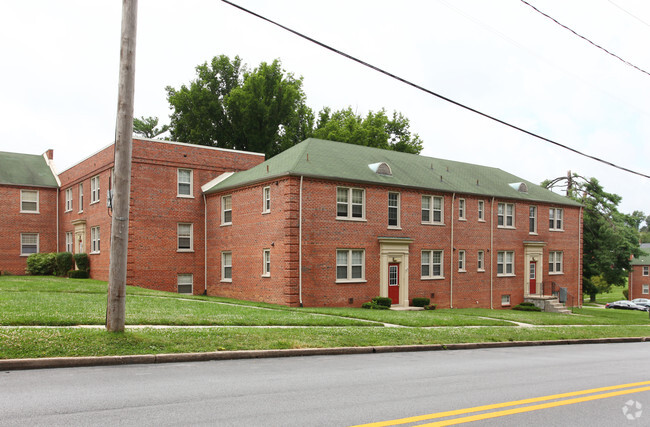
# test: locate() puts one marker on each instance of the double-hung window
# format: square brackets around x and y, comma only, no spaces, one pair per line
[185,238]
[226,266]
[431,265]
[393,210]
[481,210]
[431,210]
[555,263]
[69,241]
[81,197]
[506,215]
[350,203]
[646,270]
[461,209]
[480,261]
[94,240]
[185,283]
[350,265]
[555,217]
[226,210]
[645,289]
[29,201]
[505,263]
[532,220]
[94,189]
[266,258]
[28,243]
[68,200]
[461,260]
[266,200]
[184,186]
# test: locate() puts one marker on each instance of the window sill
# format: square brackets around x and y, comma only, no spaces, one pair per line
[184,196]
[506,275]
[462,219]
[96,201]
[351,281]
[557,230]
[462,271]
[506,227]
[94,253]
[69,210]
[393,227]
[226,280]
[225,224]
[266,275]
[532,233]
[433,278]
[30,212]
[556,274]
[26,255]
[481,220]
[266,212]
[80,212]
[480,270]
[433,223]
[185,250]
[341,218]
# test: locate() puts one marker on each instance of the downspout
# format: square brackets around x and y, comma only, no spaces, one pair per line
[579,296]
[57,219]
[300,245]
[205,246]
[451,256]
[492,255]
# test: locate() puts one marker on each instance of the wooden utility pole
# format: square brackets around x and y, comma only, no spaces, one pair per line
[116,306]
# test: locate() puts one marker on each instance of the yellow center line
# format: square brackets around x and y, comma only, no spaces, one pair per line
[506,404]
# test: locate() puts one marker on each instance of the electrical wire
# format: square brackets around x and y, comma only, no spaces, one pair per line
[430,92]
[632,15]
[584,38]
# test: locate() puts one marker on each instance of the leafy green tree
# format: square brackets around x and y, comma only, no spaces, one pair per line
[374,130]
[148,127]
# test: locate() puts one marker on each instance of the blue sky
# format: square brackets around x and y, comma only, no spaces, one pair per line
[501,57]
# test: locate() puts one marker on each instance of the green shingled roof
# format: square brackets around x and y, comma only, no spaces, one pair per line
[348,162]
[644,259]
[25,169]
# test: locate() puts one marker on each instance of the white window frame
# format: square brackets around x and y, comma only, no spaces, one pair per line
[556,219]
[431,264]
[394,205]
[68,200]
[226,210]
[94,189]
[350,267]
[462,207]
[503,216]
[645,289]
[226,266]
[23,244]
[24,199]
[349,203]
[503,263]
[555,262]
[94,240]
[81,197]
[505,300]
[182,183]
[184,235]
[646,270]
[481,210]
[532,216]
[185,279]
[266,263]
[480,261]
[431,210]
[266,200]
[461,260]
[69,241]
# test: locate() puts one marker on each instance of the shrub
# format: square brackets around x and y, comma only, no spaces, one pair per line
[527,304]
[383,301]
[373,306]
[78,274]
[63,263]
[528,307]
[40,264]
[626,293]
[82,261]
[421,302]
[430,306]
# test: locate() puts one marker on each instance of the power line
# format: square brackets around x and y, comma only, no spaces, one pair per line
[632,15]
[430,92]
[584,38]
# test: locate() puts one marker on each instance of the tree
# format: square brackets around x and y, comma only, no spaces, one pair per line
[228,106]
[609,236]
[375,130]
[148,127]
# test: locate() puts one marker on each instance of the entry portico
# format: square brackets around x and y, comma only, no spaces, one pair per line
[394,269]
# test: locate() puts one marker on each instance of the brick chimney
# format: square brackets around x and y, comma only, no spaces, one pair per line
[50,154]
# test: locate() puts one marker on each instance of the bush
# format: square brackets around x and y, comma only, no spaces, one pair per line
[373,306]
[383,301]
[626,293]
[430,306]
[78,274]
[63,263]
[82,261]
[526,306]
[40,264]
[421,302]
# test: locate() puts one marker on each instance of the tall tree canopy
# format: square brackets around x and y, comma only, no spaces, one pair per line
[148,127]
[609,236]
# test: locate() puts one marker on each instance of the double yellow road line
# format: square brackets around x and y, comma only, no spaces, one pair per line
[559,400]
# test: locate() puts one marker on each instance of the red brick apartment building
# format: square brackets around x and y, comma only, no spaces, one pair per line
[639,276]
[321,224]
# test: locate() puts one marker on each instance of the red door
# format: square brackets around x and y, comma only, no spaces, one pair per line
[393,282]
[533,278]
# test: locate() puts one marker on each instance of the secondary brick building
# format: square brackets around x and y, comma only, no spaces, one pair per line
[322,223]
[639,276]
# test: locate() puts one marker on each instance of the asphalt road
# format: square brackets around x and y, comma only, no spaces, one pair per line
[343,390]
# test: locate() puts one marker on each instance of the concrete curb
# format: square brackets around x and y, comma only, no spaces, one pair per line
[70,362]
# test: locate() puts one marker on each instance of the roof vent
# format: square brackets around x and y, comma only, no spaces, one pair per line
[381,168]
[520,186]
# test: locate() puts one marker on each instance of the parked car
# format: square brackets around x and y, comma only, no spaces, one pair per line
[643,304]
[641,300]
[625,305]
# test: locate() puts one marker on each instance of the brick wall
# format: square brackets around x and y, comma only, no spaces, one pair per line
[636,282]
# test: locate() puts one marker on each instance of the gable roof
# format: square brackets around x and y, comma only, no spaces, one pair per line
[643,259]
[26,169]
[319,158]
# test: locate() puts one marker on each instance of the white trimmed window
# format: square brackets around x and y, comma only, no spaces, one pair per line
[226,210]
[505,263]
[555,263]
[185,237]
[266,200]
[69,242]
[506,215]
[393,210]
[555,217]
[646,289]
[461,209]
[28,243]
[431,265]
[480,261]
[645,270]
[184,187]
[29,201]
[94,189]
[350,203]
[185,283]
[68,200]
[81,197]
[461,260]
[94,240]
[226,266]
[532,220]
[266,258]
[505,300]
[481,210]
[350,265]
[432,210]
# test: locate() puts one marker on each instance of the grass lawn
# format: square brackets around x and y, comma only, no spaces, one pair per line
[615,294]
[50,301]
